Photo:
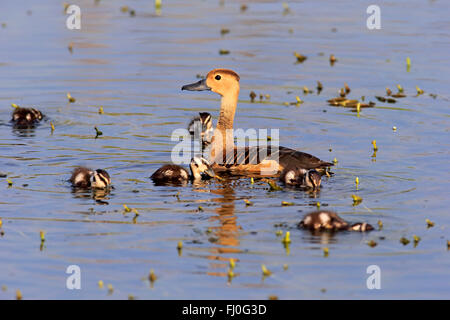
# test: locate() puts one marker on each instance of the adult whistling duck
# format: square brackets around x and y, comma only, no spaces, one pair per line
[225,155]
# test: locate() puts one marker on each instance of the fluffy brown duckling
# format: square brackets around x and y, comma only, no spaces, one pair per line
[301,178]
[200,169]
[26,116]
[328,220]
[86,178]
[202,123]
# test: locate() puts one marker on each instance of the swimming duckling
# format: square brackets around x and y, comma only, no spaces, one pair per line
[301,177]
[87,178]
[26,116]
[204,122]
[328,220]
[200,169]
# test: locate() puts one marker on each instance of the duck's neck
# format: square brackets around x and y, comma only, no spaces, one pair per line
[223,135]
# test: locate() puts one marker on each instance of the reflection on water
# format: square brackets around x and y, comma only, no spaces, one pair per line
[134,67]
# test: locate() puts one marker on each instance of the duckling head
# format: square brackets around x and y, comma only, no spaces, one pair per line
[312,179]
[221,81]
[100,179]
[201,168]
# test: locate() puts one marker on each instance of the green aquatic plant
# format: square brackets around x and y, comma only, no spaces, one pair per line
[404,241]
[224,51]
[372,243]
[287,238]
[266,272]
[100,284]
[430,224]
[98,133]
[248,202]
[326,252]
[300,58]
[286,203]
[356,199]
[273,186]
[70,98]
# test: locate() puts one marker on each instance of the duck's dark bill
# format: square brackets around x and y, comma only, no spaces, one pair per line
[198,86]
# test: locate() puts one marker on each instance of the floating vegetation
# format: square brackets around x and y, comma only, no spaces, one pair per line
[224,31]
[52,127]
[266,272]
[286,9]
[244,7]
[408,64]
[306,90]
[273,186]
[124,9]
[383,99]
[448,244]
[400,88]
[152,277]
[70,47]
[319,87]
[349,103]
[100,110]
[70,98]
[98,133]
[300,58]
[342,93]
[15,106]
[252,96]
[285,267]
[380,224]
[42,235]
[1,222]
[18,295]
[357,181]
[200,209]
[356,199]
[404,241]
[286,203]
[126,208]
[335,160]
[347,88]
[430,224]
[374,144]
[416,240]
[110,289]
[287,238]
[100,284]
[279,233]
[394,128]
[248,202]
[333,60]
[419,91]
[180,247]
[224,51]
[388,92]
[326,252]
[158,4]
[372,243]
[232,264]
[230,275]
[9,181]
[318,204]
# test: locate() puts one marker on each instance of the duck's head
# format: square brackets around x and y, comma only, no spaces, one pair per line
[201,168]
[100,179]
[221,81]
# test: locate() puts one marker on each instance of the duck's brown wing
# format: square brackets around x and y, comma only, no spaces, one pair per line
[286,157]
[289,157]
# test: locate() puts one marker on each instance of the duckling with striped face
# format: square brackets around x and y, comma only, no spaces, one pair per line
[200,170]
[301,177]
[327,220]
[86,178]
[24,117]
[201,126]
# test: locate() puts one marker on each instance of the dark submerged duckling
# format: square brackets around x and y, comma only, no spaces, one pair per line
[301,178]
[87,178]
[328,220]
[200,169]
[202,122]
[26,116]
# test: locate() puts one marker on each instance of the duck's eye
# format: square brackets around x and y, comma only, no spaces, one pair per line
[218,77]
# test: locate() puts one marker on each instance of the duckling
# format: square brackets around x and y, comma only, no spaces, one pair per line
[205,123]
[328,220]
[301,177]
[26,116]
[200,169]
[86,178]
